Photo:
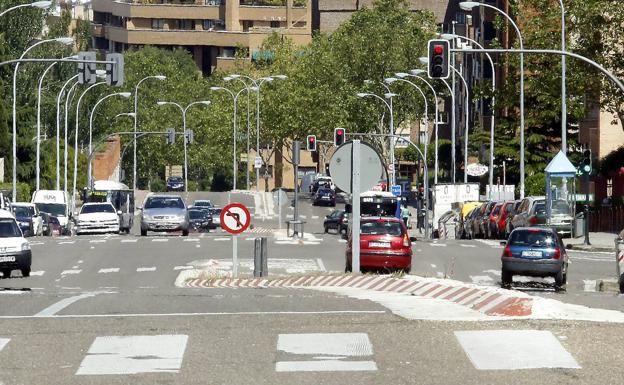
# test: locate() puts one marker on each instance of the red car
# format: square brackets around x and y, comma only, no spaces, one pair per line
[506,209]
[492,227]
[384,245]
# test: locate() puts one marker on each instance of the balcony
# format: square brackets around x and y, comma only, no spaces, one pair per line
[272,3]
[177,37]
[204,9]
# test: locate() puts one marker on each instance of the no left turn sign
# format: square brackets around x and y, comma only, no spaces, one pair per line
[235,218]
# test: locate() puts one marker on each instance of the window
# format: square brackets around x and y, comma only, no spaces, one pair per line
[275,24]
[228,52]
[489,31]
[187,24]
[213,25]
[247,25]
[103,208]
[158,23]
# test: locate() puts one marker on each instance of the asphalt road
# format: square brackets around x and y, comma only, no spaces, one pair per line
[105,310]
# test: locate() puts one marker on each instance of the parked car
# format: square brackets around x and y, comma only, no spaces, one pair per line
[175,183]
[484,220]
[28,218]
[200,220]
[324,196]
[470,223]
[535,252]
[336,221]
[164,213]
[476,221]
[510,217]
[203,203]
[97,218]
[492,222]
[384,244]
[501,223]
[464,213]
[15,251]
[51,225]
[526,215]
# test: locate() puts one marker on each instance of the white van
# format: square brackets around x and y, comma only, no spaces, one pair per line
[55,203]
[14,248]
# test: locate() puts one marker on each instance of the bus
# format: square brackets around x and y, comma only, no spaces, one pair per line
[119,195]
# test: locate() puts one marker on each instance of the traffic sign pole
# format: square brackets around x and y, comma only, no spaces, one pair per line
[235,256]
[355,211]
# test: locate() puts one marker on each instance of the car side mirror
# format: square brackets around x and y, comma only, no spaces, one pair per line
[503,243]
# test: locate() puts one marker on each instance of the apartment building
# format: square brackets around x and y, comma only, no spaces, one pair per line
[211,30]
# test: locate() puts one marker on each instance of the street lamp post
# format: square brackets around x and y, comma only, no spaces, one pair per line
[238,77]
[58,130]
[466,102]
[235,100]
[37,166]
[492,104]
[136,118]
[66,142]
[468,5]
[183,110]
[36,4]
[564,108]
[62,40]
[389,96]
[89,167]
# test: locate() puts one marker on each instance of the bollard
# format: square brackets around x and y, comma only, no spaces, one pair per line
[258,258]
[264,257]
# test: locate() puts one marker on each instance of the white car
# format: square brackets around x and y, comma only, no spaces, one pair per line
[97,218]
[15,251]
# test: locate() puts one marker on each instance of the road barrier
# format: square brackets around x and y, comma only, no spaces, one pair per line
[261,264]
[619,262]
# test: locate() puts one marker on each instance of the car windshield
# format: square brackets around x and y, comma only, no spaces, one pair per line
[560,207]
[164,202]
[56,209]
[197,214]
[23,211]
[175,179]
[325,191]
[103,208]
[9,229]
[534,238]
[203,204]
[496,210]
[382,228]
[540,208]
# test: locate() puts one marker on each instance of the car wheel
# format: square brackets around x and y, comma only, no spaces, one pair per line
[6,273]
[560,279]
[506,278]
[621,283]
[348,268]
[326,229]
[185,233]
[25,272]
[143,232]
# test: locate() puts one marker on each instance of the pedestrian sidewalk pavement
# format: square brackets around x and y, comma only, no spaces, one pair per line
[599,241]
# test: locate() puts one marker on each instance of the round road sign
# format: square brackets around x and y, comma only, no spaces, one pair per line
[235,218]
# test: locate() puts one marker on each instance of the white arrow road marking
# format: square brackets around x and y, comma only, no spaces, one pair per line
[62,304]
[3,342]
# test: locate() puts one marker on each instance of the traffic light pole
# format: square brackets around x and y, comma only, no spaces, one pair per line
[586,214]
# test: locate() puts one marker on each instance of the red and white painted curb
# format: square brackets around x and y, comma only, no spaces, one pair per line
[487,301]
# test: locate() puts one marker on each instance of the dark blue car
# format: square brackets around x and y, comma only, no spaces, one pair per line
[535,252]
[175,183]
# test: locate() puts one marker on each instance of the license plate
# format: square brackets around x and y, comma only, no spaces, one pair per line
[7,259]
[532,254]
[378,244]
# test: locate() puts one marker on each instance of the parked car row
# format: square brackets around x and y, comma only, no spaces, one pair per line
[496,220]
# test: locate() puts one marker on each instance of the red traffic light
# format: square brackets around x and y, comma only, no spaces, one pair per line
[339,136]
[438,49]
[311,143]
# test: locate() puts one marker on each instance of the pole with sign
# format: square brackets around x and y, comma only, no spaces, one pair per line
[235,218]
[355,202]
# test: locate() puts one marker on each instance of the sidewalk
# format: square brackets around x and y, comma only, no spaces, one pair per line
[599,242]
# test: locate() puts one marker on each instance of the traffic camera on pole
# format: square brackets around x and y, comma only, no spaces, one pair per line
[439,52]
[586,164]
[311,143]
[339,136]
[170,135]
[86,71]
[115,71]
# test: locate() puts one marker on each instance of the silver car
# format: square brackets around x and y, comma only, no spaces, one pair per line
[164,213]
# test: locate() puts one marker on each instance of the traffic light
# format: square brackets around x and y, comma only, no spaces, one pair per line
[339,136]
[115,71]
[86,71]
[439,59]
[170,135]
[586,164]
[188,136]
[311,143]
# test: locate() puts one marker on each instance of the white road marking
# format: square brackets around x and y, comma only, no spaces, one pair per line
[3,342]
[92,247]
[589,285]
[134,354]
[160,240]
[69,272]
[191,239]
[467,245]
[141,269]
[108,270]
[80,261]
[320,264]
[183,267]
[333,347]
[439,244]
[197,246]
[36,243]
[485,280]
[38,273]
[514,349]
[66,242]
[315,217]
[129,240]
[222,239]
[75,267]
[434,266]
[97,241]
[51,310]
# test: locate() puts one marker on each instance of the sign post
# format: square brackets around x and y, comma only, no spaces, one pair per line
[355,204]
[235,218]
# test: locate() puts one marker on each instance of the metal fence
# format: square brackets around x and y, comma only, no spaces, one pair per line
[606,219]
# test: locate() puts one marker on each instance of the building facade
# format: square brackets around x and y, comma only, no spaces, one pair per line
[211,30]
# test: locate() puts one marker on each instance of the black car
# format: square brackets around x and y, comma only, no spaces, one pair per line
[324,196]
[337,220]
[200,220]
[175,183]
